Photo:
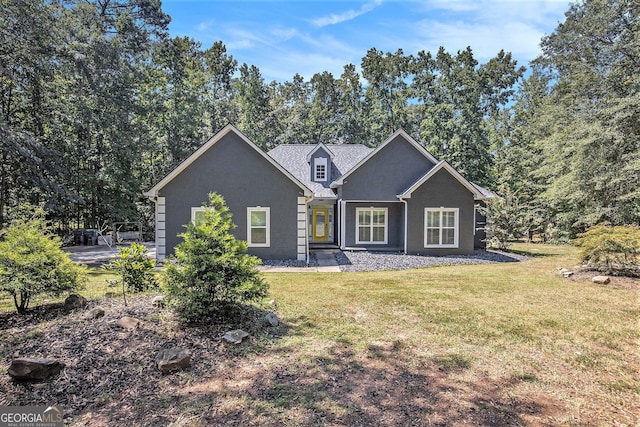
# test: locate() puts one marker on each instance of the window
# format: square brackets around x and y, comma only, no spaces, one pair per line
[197,214]
[258,227]
[320,169]
[371,225]
[441,228]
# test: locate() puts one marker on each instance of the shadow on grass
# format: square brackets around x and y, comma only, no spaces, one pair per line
[280,375]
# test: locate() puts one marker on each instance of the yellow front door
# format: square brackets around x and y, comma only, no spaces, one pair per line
[320,224]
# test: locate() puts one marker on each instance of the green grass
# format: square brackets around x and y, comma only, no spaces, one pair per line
[477,336]
[517,321]
[96,287]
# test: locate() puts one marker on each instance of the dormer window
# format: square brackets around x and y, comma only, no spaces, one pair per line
[320,169]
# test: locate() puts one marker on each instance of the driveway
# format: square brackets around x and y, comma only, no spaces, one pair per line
[95,256]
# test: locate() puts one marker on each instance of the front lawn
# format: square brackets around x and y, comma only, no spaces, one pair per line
[499,344]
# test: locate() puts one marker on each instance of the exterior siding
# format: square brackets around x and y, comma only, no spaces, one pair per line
[318,154]
[395,225]
[480,232]
[256,183]
[441,190]
[387,173]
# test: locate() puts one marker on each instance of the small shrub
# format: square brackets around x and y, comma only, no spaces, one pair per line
[211,274]
[613,250]
[32,263]
[134,265]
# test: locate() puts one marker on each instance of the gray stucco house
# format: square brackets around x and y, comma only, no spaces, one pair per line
[394,197]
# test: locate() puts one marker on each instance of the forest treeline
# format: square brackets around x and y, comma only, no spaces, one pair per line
[98,103]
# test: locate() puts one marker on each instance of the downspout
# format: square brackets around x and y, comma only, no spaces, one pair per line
[342,224]
[406,224]
[339,219]
[308,200]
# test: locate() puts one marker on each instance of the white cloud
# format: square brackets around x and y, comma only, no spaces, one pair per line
[333,18]
[516,26]
[520,38]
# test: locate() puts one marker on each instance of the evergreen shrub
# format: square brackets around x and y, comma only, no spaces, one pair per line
[613,250]
[211,275]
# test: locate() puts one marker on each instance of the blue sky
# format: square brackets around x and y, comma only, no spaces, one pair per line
[283,38]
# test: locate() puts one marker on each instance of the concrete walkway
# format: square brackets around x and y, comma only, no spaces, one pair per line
[95,256]
[326,264]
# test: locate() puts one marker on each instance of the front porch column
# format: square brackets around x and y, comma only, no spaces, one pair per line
[302,230]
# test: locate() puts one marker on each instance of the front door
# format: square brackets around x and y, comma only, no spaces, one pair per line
[320,225]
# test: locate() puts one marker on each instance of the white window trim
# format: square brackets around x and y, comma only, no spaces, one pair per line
[195,210]
[320,161]
[456,229]
[386,226]
[267,227]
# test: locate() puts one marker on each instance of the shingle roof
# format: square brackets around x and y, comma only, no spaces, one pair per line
[293,157]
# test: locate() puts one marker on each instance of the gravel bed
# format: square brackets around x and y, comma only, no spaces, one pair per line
[373,261]
[313,262]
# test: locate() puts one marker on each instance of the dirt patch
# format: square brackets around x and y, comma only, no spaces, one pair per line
[582,274]
[110,377]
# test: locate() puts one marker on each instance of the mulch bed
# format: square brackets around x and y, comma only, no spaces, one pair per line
[111,379]
[582,274]
[110,372]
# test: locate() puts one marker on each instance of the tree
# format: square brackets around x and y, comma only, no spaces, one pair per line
[219,69]
[32,263]
[458,97]
[325,109]
[211,274]
[505,219]
[387,91]
[253,103]
[291,105]
[591,157]
[353,115]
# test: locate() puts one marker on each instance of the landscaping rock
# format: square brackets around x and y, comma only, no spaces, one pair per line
[96,312]
[236,336]
[158,301]
[601,280]
[272,319]
[173,359]
[74,301]
[565,272]
[128,323]
[33,369]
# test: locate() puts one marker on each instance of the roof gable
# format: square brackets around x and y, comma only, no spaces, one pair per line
[319,146]
[203,149]
[293,157]
[338,182]
[406,194]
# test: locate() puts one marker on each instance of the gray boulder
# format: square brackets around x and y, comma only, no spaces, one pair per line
[96,312]
[236,336]
[272,319]
[128,323]
[74,301]
[173,359]
[34,369]
[601,280]
[158,301]
[565,272]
